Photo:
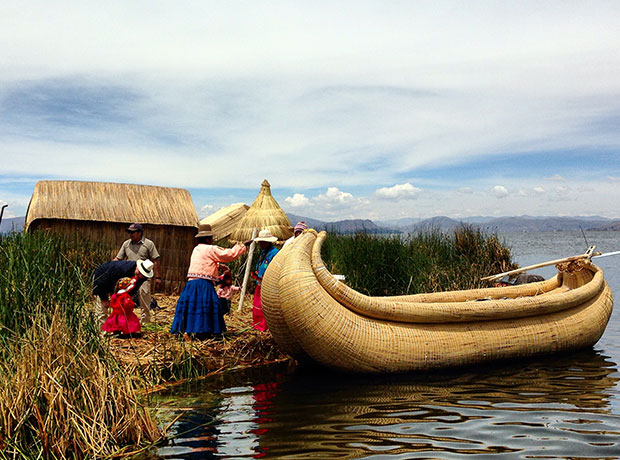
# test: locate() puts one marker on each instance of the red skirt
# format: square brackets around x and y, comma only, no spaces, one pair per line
[125,322]
[258,317]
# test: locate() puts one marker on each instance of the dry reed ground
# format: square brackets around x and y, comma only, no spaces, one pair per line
[166,356]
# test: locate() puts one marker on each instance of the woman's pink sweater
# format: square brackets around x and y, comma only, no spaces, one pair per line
[205,257]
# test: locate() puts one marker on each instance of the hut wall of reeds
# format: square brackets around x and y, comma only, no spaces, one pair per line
[265,213]
[101,211]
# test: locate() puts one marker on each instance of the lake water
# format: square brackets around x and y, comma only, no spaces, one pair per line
[559,407]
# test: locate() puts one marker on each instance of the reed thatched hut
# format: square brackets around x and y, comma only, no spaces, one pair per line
[101,211]
[224,221]
[264,213]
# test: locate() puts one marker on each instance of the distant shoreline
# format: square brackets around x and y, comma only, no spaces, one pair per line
[442,223]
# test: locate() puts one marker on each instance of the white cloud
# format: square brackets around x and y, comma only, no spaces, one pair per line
[332,204]
[465,190]
[556,178]
[334,196]
[499,191]
[398,192]
[297,200]
[539,190]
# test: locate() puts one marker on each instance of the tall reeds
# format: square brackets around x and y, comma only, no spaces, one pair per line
[425,262]
[62,395]
[41,271]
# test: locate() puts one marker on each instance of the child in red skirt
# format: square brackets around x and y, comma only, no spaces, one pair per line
[225,291]
[122,320]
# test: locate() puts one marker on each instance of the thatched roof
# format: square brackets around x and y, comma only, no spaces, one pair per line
[265,213]
[110,202]
[226,219]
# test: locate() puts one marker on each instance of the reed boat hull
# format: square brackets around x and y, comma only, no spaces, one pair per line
[314,316]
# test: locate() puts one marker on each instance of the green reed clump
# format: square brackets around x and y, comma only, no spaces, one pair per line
[425,262]
[38,272]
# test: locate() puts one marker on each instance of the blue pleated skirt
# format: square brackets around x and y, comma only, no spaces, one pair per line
[198,310]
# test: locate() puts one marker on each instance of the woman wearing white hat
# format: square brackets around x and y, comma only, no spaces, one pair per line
[267,252]
[198,309]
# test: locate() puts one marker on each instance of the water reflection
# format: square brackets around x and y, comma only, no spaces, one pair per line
[551,408]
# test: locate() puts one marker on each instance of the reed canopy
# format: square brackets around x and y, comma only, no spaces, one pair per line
[224,221]
[102,211]
[265,213]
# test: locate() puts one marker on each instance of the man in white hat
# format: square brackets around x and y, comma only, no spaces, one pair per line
[138,248]
[106,276]
[267,252]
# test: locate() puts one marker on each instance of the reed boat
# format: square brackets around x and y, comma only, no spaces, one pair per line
[312,315]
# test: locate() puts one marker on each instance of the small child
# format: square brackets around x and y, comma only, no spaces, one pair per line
[122,319]
[225,292]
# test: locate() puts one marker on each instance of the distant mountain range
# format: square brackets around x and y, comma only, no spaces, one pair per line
[10,224]
[341,226]
[446,224]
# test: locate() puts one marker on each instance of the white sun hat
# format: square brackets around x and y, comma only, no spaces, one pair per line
[265,235]
[146,267]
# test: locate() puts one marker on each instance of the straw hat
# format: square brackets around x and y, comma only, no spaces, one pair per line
[204,230]
[145,267]
[265,235]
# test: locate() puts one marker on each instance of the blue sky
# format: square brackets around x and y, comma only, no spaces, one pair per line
[351,109]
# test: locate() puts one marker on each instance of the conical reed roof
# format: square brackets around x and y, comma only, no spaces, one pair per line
[265,213]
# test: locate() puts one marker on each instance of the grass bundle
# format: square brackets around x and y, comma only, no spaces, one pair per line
[224,221]
[58,400]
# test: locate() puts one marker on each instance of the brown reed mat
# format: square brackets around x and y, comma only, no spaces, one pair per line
[157,349]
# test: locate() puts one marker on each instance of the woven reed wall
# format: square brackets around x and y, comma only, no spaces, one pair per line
[174,243]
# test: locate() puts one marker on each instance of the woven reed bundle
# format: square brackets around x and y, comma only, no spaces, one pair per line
[265,213]
[458,306]
[224,221]
[337,337]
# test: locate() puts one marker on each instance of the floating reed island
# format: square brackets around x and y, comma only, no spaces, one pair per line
[314,316]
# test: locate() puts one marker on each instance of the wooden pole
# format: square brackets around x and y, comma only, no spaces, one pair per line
[248,268]
[587,255]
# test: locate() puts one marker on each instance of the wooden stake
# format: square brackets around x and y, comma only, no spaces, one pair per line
[248,267]
[587,255]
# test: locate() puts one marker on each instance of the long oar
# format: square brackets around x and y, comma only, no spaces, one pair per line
[248,268]
[615,253]
[587,255]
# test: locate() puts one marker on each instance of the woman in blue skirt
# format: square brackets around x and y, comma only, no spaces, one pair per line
[198,310]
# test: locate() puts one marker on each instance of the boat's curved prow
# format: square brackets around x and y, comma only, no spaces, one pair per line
[312,314]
